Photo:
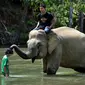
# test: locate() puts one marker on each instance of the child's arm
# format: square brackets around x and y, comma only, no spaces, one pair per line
[5,71]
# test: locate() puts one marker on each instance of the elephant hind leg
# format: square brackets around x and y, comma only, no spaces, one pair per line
[80,69]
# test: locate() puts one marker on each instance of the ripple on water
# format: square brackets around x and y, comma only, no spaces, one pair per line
[22,76]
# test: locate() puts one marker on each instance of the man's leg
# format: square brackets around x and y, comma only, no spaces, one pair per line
[47,30]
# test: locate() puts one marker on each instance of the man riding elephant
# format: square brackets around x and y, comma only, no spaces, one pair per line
[46,20]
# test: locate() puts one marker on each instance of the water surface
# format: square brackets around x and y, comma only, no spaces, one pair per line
[23,72]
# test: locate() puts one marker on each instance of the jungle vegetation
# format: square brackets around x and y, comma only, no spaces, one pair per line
[19,17]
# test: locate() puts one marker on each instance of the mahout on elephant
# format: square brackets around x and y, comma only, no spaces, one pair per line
[63,46]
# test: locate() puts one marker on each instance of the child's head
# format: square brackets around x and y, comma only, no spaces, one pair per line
[8,51]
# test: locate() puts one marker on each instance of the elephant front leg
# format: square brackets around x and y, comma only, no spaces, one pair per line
[45,65]
[52,68]
[48,68]
[54,61]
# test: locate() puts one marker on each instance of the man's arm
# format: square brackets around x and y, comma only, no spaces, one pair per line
[48,28]
[53,22]
[37,25]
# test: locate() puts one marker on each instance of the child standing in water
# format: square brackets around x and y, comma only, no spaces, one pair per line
[5,62]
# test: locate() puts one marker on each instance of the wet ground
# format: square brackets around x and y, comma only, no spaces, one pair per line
[23,72]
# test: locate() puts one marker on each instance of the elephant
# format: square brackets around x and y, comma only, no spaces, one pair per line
[63,46]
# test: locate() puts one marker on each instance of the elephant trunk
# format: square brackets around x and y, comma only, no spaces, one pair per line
[21,53]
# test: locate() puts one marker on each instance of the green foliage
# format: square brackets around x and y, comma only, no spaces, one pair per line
[61,12]
[60,9]
[31,22]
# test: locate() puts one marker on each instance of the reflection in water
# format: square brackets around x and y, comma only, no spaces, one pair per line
[18,76]
[3,82]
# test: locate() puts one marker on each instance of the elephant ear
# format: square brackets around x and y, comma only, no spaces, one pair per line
[52,41]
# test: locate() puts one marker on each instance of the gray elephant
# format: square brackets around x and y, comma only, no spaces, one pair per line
[63,46]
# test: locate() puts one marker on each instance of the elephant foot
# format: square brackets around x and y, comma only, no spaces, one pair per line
[50,72]
[45,71]
[80,69]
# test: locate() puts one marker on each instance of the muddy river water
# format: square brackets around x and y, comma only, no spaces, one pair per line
[23,72]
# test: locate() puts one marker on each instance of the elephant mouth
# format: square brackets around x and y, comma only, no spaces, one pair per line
[33,59]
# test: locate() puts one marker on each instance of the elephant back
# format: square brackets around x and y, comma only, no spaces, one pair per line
[67,32]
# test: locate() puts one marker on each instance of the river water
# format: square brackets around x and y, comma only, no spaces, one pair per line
[23,72]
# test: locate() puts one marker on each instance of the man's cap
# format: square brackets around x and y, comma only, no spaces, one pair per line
[43,5]
[9,51]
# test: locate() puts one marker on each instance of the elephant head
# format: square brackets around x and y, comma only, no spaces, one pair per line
[38,45]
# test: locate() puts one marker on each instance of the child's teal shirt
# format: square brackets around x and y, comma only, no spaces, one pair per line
[4,63]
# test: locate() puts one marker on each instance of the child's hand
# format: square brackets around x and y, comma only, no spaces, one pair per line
[7,75]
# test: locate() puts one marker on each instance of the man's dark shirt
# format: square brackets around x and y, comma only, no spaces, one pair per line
[45,20]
